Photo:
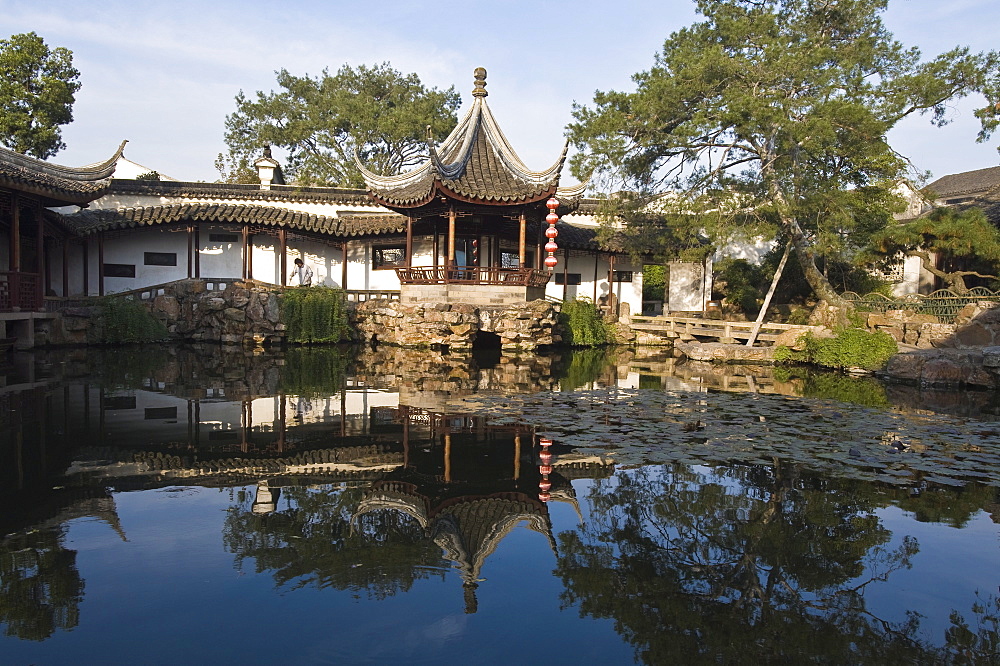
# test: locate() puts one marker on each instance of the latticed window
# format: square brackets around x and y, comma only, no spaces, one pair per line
[389,256]
[892,271]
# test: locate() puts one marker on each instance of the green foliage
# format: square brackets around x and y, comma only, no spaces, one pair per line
[952,244]
[850,348]
[827,385]
[37,88]
[149,175]
[315,315]
[654,282]
[125,320]
[314,372]
[583,368]
[740,283]
[376,114]
[583,325]
[769,117]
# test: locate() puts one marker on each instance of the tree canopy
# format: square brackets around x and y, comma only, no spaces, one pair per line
[769,118]
[376,113]
[948,242]
[37,88]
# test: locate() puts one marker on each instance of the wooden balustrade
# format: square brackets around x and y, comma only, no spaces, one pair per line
[525,277]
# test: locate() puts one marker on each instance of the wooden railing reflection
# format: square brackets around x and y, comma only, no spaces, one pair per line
[526,277]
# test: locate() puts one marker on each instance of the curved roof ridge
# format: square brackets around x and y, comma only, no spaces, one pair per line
[90,172]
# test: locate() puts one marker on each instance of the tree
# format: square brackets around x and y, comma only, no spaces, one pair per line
[37,88]
[376,113]
[769,118]
[958,237]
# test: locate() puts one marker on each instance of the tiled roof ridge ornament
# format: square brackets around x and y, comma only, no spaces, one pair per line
[480,89]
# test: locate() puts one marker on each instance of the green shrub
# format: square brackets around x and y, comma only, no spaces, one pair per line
[126,320]
[315,315]
[851,348]
[583,325]
[314,372]
[580,368]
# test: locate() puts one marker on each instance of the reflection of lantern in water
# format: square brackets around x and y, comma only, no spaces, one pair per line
[544,468]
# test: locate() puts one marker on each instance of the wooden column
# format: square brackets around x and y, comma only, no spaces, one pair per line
[190,238]
[522,248]
[538,249]
[597,263]
[245,271]
[409,242]
[100,263]
[450,259]
[43,273]
[15,234]
[283,261]
[437,249]
[343,266]
[565,273]
[65,267]
[447,457]
[197,251]
[86,267]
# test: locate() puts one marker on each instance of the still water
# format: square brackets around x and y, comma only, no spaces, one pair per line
[188,505]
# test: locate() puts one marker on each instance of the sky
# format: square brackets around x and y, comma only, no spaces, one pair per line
[164,74]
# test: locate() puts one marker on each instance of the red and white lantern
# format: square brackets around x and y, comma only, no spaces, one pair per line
[551,233]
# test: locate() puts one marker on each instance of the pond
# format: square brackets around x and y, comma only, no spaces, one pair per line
[183,504]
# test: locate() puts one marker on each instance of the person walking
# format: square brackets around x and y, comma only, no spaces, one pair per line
[302,275]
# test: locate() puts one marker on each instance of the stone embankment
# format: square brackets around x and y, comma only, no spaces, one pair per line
[236,314]
[458,325]
[966,353]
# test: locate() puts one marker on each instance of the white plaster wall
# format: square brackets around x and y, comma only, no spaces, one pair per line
[129,250]
[594,273]
[220,258]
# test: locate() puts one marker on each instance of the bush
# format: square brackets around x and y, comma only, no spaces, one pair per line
[126,320]
[583,325]
[851,348]
[315,315]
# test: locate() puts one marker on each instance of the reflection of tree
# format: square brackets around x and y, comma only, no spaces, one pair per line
[975,644]
[310,541]
[719,565]
[40,587]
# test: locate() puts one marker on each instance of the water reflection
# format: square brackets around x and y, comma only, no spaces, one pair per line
[369,473]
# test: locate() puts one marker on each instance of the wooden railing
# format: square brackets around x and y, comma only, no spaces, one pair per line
[526,277]
[711,328]
[19,291]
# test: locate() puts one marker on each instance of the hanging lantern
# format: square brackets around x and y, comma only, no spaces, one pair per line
[551,233]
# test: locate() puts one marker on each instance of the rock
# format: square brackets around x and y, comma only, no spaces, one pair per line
[718,352]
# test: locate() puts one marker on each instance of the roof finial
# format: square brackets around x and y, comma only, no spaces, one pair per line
[480,89]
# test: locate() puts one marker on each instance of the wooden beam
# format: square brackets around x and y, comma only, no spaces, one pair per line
[43,274]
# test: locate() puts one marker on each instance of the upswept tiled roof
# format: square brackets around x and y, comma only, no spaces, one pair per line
[91,221]
[56,185]
[165,188]
[968,182]
[475,163]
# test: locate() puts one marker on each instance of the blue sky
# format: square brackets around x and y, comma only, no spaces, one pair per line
[164,74]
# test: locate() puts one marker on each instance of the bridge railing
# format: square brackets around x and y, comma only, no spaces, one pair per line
[19,291]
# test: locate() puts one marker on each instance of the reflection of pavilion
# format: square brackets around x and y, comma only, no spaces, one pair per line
[468,490]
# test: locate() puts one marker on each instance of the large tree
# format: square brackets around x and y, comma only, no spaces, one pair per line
[37,88]
[769,118]
[376,113]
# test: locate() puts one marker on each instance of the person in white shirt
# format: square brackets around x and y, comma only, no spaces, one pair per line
[302,275]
